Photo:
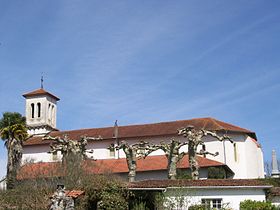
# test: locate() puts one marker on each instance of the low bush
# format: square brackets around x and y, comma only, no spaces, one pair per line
[197,207]
[257,205]
[216,173]
[31,194]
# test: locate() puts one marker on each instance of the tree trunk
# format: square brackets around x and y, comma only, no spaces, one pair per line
[13,162]
[131,162]
[192,160]
[172,167]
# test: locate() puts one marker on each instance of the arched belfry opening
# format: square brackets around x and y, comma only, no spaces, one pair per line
[40,111]
[32,110]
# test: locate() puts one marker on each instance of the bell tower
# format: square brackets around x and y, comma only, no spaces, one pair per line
[40,111]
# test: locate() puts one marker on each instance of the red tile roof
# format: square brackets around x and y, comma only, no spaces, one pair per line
[38,92]
[40,170]
[74,193]
[199,183]
[146,130]
[151,163]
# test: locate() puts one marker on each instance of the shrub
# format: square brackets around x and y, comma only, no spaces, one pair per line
[31,194]
[182,174]
[197,207]
[104,192]
[140,206]
[216,173]
[256,205]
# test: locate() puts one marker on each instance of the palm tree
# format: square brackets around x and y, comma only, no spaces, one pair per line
[13,131]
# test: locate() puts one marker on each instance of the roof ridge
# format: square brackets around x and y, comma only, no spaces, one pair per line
[215,122]
[219,121]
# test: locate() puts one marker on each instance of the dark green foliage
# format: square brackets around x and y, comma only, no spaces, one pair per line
[183,174]
[146,200]
[216,173]
[257,205]
[272,181]
[13,131]
[11,118]
[106,192]
[197,207]
[140,206]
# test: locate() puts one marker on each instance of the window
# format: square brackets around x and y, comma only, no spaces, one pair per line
[112,150]
[39,109]
[49,112]
[204,150]
[235,151]
[53,115]
[54,156]
[32,110]
[212,203]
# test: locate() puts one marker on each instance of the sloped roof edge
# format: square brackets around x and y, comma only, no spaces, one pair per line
[38,92]
[146,130]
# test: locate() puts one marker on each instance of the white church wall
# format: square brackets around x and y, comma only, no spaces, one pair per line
[237,157]
[37,153]
[100,149]
[253,154]
[261,163]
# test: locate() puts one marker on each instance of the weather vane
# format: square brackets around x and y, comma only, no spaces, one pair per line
[42,80]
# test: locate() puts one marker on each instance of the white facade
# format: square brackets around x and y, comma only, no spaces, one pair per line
[40,111]
[230,196]
[244,157]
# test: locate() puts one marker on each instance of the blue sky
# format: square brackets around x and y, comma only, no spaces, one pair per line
[145,61]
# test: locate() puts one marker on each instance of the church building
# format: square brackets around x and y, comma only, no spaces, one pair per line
[242,159]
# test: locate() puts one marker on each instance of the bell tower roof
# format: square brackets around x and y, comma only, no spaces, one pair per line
[40,92]
[40,111]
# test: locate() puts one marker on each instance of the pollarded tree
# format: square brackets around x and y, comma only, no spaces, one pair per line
[73,153]
[13,131]
[132,152]
[70,149]
[172,154]
[194,139]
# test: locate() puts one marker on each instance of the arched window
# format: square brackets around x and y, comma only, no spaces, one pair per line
[49,113]
[235,151]
[39,109]
[53,115]
[204,149]
[32,110]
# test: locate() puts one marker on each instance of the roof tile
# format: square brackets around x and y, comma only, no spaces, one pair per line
[145,130]
[197,183]
[38,92]
[151,163]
